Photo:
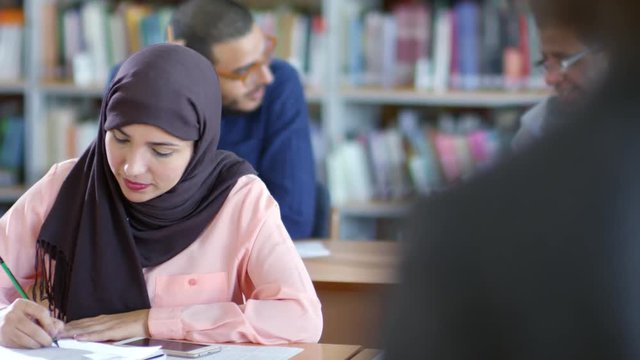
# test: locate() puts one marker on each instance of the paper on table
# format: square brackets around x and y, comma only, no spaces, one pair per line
[310,249]
[72,349]
[249,352]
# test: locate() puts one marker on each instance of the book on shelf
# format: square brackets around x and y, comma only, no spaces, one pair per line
[92,36]
[11,150]
[69,133]
[94,24]
[11,44]
[319,144]
[300,40]
[442,45]
[415,156]
[412,39]
[348,174]
[442,49]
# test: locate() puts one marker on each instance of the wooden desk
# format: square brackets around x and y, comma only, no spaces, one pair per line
[309,352]
[326,351]
[367,354]
[352,284]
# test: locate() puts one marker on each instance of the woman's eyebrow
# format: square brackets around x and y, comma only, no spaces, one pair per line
[162,143]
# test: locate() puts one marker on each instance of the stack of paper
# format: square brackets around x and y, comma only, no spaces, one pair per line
[311,249]
[72,349]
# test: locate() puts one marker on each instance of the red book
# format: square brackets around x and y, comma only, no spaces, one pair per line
[524,45]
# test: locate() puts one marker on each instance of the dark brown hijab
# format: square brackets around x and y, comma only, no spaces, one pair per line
[100,241]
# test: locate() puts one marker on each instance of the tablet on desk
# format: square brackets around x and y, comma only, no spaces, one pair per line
[174,347]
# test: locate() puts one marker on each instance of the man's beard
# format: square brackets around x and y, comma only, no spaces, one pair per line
[231,107]
[230,110]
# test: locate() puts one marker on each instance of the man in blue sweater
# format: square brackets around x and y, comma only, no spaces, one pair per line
[265,117]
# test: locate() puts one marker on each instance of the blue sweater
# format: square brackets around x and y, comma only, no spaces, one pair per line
[276,140]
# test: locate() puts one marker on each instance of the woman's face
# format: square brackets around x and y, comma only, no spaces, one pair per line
[146,160]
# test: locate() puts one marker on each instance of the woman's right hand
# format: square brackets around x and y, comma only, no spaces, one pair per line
[25,324]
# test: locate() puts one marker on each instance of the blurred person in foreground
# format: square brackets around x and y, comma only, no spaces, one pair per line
[573,61]
[494,272]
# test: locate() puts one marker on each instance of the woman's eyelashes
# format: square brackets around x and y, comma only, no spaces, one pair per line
[161,153]
[158,152]
[120,139]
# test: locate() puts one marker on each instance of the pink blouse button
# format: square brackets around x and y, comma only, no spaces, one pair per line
[193,282]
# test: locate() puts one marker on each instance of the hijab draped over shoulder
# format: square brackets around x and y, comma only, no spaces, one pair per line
[94,243]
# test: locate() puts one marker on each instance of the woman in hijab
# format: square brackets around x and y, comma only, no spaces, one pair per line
[153,231]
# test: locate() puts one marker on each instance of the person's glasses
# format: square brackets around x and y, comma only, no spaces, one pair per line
[563,65]
[250,75]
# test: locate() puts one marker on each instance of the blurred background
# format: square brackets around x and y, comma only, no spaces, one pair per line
[406,97]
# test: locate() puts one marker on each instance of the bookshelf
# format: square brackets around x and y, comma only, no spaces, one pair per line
[11,194]
[70,89]
[13,88]
[340,106]
[376,209]
[453,99]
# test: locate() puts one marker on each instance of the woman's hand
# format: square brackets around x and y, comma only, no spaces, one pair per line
[25,324]
[109,327]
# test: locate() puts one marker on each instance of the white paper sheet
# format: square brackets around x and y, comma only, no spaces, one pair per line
[311,249]
[248,352]
[72,350]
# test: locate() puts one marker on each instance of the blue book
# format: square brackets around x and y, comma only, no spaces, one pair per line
[151,30]
[356,51]
[12,151]
[468,27]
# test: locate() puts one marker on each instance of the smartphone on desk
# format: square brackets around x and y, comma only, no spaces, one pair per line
[174,347]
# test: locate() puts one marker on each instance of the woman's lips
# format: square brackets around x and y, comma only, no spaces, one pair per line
[134,186]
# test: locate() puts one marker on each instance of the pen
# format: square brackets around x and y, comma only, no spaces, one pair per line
[16,284]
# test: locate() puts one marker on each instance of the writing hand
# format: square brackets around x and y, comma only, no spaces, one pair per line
[25,324]
[109,327]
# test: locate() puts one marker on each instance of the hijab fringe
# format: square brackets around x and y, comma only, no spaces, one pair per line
[45,275]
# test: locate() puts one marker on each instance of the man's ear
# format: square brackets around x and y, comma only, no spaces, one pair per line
[171,39]
[181,42]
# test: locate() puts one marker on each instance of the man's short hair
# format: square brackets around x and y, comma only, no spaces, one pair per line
[573,15]
[205,23]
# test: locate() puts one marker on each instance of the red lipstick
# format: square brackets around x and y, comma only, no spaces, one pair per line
[134,186]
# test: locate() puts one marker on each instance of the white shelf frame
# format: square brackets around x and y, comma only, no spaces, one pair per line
[12,88]
[458,99]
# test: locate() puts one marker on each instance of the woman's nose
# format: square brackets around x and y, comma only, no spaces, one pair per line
[135,164]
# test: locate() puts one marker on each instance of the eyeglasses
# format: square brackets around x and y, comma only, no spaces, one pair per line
[563,65]
[250,75]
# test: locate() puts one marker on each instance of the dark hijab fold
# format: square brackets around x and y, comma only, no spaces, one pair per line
[97,239]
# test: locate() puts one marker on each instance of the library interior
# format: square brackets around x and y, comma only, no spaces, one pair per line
[403,103]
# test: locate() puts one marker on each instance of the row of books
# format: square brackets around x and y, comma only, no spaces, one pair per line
[437,44]
[84,40]
[301,40]
[443,44]
[11,44]
[70,129]
[416,156]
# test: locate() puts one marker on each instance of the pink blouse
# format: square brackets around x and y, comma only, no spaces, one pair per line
[240,281]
